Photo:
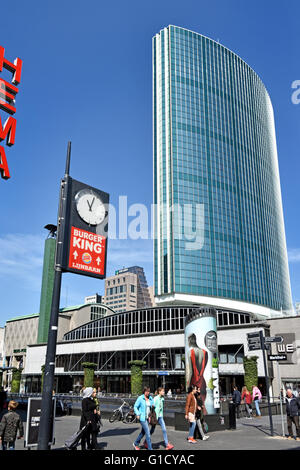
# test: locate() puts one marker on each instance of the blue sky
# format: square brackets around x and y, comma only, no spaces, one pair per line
[87,77]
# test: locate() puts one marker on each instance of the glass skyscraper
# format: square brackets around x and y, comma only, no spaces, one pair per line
[216,179]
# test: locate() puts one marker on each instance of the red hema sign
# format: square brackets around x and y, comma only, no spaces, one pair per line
[8,94]
[87,251]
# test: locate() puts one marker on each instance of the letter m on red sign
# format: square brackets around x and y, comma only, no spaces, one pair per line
[8,131]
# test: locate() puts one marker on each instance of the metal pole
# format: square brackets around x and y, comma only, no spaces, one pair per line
[280,397]
[262,342]
[46,413]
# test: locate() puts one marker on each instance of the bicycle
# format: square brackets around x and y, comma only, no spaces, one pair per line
[130,417]
[118,413]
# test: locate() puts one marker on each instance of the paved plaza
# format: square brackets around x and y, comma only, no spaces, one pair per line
[251,434]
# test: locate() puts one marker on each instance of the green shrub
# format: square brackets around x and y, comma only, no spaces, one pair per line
[16,380]
[89,373]
[251,375]
[136,376]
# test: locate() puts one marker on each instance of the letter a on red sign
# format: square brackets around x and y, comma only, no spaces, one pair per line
[3,165]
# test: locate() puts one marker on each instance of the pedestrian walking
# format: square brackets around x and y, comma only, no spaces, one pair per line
[10,424]
[159,410]
[199,429]
[236,400]
[292,413]
[256,397]
[190,412]
[142,409]
[246,396]
[89,416]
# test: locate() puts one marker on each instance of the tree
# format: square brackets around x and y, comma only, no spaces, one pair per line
[251,375]
[136,376]
[89,372]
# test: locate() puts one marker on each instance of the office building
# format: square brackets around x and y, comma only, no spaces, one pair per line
[127,290]
[216,179]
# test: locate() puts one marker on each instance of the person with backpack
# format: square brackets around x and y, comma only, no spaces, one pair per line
[246,396]
[10,424]
[256,397]
[159,411]
[236,400]
[292,413]
[142,410]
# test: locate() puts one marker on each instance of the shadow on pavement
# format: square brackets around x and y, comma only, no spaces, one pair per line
[118,432]
[263,428]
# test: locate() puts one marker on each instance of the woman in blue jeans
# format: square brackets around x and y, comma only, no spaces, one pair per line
[159,410]
[256,397]
[142,409]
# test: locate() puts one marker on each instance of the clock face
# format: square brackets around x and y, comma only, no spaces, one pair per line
[90,207]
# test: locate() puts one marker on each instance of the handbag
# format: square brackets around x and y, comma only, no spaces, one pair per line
[153,418]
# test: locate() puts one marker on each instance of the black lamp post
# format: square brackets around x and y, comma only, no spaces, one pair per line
[163,364]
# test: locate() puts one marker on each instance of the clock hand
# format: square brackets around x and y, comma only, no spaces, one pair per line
[90,205]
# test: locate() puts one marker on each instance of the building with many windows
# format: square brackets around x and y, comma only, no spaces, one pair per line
[21,331]
[144,334]
[220,237]
[127,290]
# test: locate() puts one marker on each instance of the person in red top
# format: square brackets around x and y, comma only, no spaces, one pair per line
[246,396]
[198,360]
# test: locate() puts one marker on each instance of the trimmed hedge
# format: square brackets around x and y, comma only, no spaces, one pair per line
[136,376]
[89,373]
[16,380]
[251,375]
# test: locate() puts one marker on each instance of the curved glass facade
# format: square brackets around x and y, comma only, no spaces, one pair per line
[215,175]
[147,321]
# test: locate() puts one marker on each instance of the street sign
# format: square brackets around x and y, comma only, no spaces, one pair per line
[254,347]
[253,340]
[253,335]
[277,357]
[163,372]
[274,339]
